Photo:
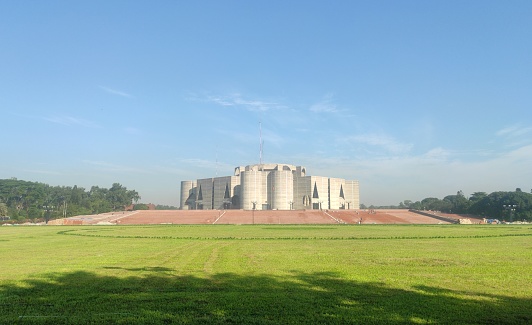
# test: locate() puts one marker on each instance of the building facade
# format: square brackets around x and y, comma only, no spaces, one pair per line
[270,187]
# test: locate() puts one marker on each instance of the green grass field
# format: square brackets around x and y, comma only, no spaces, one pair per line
[263,274]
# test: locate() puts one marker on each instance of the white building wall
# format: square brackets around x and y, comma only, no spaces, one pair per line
[264,203]
[234,188]
[251,189]
[186,189]
[335,185]
[322,185]
[206,191]
[280,189]
[302,193]
[237,194]
[352,195]
[220,184]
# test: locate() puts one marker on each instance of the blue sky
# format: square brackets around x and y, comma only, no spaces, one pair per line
[412,98]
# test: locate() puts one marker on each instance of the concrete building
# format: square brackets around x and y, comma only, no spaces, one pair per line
[270,187]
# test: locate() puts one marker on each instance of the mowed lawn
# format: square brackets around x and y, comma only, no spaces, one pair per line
[263,274]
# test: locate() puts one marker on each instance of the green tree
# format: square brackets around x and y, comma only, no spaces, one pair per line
[98,200]
[457,203]
[140,206]
[119,197]
[478,203]
[477,196]
[3,210]
[430,203]
[406,204]
[133,196]
[165,207]
[415,206]
[34,213]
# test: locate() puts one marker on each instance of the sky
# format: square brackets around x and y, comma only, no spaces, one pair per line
[414,99]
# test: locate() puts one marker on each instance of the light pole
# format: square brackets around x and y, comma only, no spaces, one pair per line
[253,211]
[511,209]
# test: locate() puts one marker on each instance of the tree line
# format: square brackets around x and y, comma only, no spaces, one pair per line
[509,206]
[22,200]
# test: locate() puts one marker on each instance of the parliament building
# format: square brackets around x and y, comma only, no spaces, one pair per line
[270,187]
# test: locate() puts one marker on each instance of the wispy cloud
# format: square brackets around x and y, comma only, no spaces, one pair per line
[268,136]
[202,163]
[239,101]
[110,167]
[436,154]
[326,105]
[71,121]
[172,170]
[382,141]
[514,131]
[115,92]
[272,138]
[209,168]
[437,172]
[516,135]
[41,172]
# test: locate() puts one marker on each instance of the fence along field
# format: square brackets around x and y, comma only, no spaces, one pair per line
[266,274]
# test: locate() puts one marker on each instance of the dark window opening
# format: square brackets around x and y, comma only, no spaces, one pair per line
[226,194]
[315,193]
[200,194]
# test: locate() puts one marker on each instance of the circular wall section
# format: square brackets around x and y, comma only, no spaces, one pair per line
[251,189]
[186,187]
[281,189]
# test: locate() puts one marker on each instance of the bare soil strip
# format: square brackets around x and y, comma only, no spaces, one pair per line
[255,217]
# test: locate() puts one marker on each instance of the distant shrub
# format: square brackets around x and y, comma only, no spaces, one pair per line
[141,206]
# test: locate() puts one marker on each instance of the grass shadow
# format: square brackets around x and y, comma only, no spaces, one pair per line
[140,269]
[301,298]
